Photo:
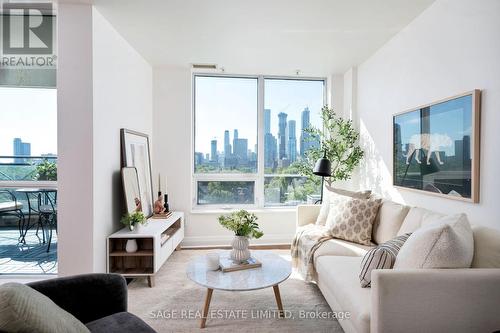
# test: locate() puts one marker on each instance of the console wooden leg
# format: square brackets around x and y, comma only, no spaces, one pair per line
[151,281]
[278,300]
[178,247]
[205,308]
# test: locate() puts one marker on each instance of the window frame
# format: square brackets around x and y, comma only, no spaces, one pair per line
[13,184]
[259,176]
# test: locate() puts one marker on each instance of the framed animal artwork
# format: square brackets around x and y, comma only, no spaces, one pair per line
[436,148]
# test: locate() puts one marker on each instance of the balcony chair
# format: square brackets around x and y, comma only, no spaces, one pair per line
[9,206]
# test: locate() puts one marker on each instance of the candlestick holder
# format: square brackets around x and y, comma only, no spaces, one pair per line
[165,203]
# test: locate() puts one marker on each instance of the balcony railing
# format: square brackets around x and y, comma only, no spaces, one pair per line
[28,168]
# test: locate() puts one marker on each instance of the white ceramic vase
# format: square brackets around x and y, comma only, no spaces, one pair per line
[138,228]
[131,246]
[240,250]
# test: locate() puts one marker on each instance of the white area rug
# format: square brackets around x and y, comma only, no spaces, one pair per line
[175,303]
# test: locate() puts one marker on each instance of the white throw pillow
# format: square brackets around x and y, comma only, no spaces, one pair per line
[327,195]
[443,242]
[417,217]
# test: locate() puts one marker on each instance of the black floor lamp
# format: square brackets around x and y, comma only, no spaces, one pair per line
[323,168]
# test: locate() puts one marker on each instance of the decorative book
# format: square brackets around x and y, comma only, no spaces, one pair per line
[162,215]
[228,265]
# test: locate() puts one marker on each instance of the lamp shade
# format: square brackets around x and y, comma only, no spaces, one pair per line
[323,167]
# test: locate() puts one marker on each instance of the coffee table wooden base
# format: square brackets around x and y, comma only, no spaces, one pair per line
[278,300]
[208,298]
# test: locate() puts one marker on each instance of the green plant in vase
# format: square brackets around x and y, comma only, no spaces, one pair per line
[134,220]
[244,226]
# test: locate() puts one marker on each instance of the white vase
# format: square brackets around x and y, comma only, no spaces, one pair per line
[138,228]
[131,246]
[240,250]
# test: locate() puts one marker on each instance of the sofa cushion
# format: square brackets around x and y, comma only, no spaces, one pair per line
[339,247]
[118,323]
[417,217]
[380,257]
[352,219]
[445,242]
[340,276]
[388,221]
[486,247]
[23,309]
[329,192]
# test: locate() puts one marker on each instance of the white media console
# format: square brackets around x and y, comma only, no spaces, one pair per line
[155,242]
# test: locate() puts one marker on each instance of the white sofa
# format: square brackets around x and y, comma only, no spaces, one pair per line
[418,300]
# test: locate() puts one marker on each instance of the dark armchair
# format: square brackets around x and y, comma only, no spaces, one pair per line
[97,300]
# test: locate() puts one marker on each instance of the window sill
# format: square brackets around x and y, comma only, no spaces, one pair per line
[269,210]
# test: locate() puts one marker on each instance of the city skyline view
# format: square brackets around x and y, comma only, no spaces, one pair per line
[290,106]
[288,144]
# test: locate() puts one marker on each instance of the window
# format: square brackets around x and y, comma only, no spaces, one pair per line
[226,125]
[28,144]
[248,135]
[28,174]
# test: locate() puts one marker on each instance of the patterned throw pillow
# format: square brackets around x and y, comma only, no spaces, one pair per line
[332,192]
[352,219]
[380,257]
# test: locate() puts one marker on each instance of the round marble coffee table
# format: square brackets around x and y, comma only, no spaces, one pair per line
[274,270]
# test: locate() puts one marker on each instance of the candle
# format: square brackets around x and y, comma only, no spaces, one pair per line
[159,185]
[166,190]
[212,261]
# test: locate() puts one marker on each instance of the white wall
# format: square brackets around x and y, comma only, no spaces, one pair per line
[122,98]
[452,47]
[74,130]
[103,85]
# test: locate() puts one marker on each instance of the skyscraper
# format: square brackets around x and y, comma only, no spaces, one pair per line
[235,137]
[292,141]
[213,145]
[267,121]
[467,149]
[398,143]
[304,136]
[227,145]
[269,150]
[240,150]
[282,135]
[21,149]
[198,158]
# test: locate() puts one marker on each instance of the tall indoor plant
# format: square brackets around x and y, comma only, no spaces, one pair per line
[244,226]
[338,142]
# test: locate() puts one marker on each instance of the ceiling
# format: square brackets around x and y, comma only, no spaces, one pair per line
[317,37]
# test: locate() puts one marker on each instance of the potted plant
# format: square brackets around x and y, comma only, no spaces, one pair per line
[46,170]
[244,226]
[338,142]
[134,221]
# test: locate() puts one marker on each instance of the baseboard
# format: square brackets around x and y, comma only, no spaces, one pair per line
[225,241]
[228,247]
